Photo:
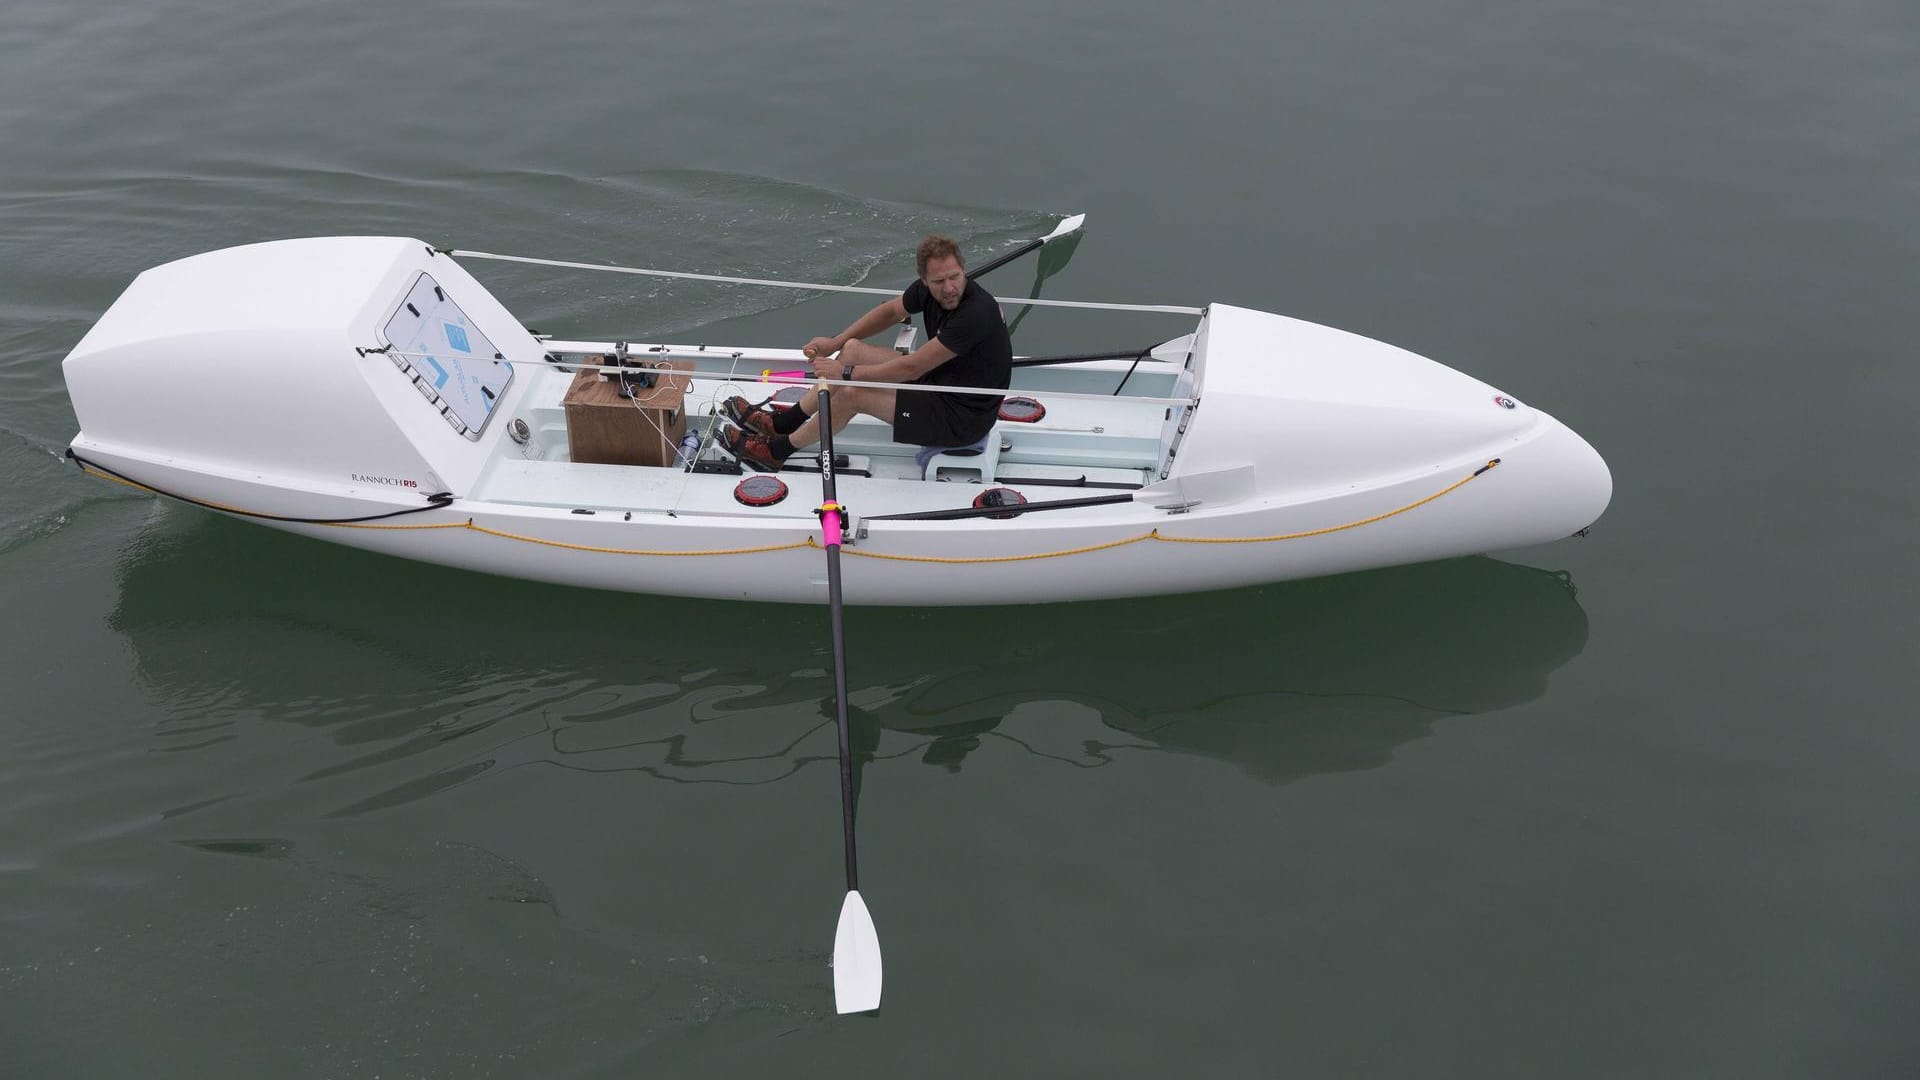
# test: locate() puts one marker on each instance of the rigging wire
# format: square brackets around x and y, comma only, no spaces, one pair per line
[810,286]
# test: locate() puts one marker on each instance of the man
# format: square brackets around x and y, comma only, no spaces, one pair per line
[967,345]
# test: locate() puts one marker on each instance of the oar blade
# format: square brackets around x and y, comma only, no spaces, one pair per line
[1067,227]
[856,959]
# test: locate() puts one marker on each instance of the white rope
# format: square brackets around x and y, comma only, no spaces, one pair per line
[647,363]
[1169,309]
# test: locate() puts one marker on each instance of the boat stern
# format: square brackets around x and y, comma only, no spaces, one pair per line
[302,364]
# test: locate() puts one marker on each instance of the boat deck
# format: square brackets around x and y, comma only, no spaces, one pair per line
[1082,444]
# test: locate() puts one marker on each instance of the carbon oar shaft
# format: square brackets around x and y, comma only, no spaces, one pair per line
[1081,358]
[836,614]
[1003,511]
[1067,227]
[995,264]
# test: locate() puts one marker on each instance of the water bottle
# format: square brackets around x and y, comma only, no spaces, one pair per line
[689,449]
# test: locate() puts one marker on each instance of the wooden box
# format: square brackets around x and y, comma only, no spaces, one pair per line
[645,429]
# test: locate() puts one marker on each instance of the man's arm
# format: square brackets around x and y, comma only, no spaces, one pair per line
[907,368]
[883,365]
[885,314]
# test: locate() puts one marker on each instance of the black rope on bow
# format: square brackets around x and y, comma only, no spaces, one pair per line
[435,501]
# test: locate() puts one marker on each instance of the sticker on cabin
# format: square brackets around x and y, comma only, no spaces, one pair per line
[1504,401]
[390,481]
[457,337]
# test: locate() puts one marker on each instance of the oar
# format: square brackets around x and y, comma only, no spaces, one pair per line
[802,375]
[1082,358]
[1217,487]
[856,947]
[1006,510]
[1052,259]
[1067,227]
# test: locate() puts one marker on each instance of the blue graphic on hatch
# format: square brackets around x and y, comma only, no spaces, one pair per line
[434,343]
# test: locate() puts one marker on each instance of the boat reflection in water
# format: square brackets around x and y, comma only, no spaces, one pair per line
[1308,677]
[427,678]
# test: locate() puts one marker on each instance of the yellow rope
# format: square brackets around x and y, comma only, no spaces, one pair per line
[1155,535]
[468,524]
[1001,558]
[1320,532]
[810,542]
[91,471]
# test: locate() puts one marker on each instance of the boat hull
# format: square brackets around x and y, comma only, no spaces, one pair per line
[1545,486]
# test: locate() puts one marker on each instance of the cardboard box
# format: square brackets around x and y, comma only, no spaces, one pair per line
[607,429]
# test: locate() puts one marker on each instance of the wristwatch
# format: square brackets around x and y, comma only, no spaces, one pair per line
[846,372]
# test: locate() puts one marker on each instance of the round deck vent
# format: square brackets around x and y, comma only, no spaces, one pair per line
[760,490]
[1021,410]
[1000,496]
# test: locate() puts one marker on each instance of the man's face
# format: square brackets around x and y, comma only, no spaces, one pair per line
[946,279]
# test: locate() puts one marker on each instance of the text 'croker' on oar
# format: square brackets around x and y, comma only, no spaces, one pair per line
[856,946]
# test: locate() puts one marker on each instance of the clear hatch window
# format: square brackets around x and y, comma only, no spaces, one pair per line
[456,368]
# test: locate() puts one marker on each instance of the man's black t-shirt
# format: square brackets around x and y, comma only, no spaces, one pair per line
[983,354]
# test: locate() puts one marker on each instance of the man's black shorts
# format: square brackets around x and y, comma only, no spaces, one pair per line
[922,419]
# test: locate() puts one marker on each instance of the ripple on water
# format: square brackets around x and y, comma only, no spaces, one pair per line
[712,222]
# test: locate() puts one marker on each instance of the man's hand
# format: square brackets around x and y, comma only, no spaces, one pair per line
[827,367]
[822,347]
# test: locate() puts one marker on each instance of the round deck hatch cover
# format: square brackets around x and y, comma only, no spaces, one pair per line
[1021,410]
[1000,496]
[760,490]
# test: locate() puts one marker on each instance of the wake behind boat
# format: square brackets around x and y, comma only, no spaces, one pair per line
[370,391]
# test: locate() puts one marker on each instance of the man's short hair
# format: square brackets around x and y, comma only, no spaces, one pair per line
[936,246]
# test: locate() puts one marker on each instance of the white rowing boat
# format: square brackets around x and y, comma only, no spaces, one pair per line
[370,391]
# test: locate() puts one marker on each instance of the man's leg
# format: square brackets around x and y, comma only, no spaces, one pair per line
[872,401]
[853,352]
[765,450]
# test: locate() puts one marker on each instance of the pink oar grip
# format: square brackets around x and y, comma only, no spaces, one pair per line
[830,527]
[785,376]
